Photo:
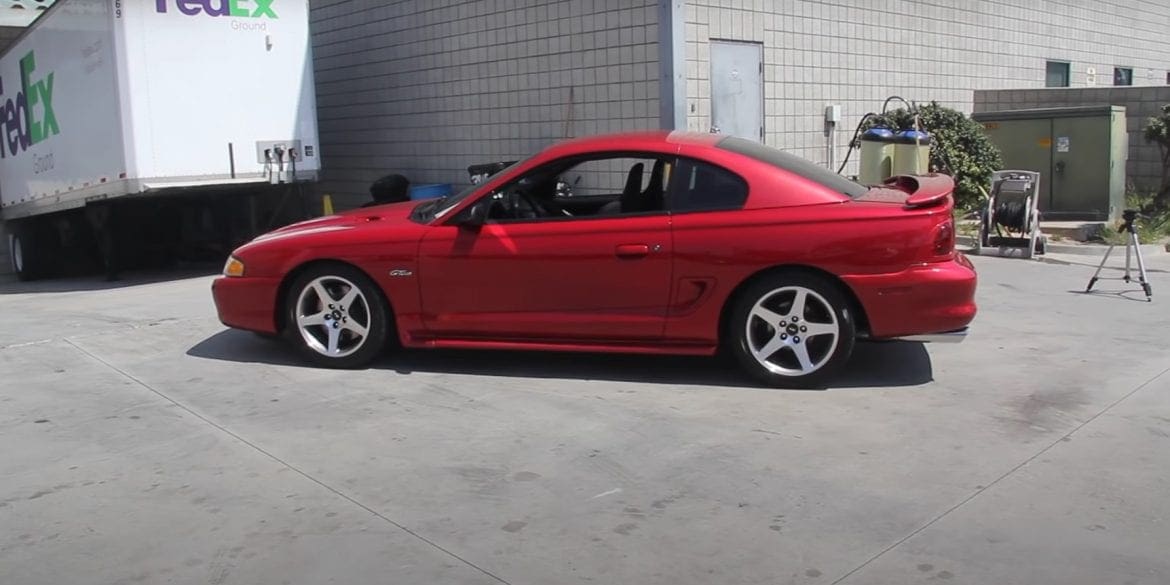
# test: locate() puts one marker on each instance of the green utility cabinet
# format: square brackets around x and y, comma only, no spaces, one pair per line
[1080,153]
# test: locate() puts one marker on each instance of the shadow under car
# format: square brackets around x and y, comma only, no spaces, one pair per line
[873,364]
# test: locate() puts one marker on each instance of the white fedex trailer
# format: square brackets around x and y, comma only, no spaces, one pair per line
[109,104]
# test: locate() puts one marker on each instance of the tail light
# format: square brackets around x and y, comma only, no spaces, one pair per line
[944,238]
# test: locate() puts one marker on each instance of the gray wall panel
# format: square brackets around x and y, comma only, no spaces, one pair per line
[428,88]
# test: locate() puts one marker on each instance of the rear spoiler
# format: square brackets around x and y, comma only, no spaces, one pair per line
[924,190]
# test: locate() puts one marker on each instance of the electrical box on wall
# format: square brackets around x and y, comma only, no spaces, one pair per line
[269,150]
[1080,153]
[833,114]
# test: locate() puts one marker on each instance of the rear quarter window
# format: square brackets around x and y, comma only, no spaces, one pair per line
[793,164]
[699,186]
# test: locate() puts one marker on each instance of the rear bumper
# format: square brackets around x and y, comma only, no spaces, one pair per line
[935,300]
[246,303]
[945,337]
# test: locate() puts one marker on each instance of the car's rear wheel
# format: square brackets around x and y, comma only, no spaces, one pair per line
[336,316]
[793,330]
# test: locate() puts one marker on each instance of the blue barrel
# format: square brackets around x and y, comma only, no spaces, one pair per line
[430,191]
[913,137]
[878,134]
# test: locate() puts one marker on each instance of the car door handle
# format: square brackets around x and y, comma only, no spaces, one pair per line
[632,250]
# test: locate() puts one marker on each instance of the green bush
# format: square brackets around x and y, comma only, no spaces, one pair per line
[1154,222]
[1157,131]
[961,149]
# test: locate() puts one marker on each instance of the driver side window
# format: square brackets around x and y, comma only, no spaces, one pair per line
[585,187]
[517,201]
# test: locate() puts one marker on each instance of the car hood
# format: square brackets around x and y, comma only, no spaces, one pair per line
[378,217]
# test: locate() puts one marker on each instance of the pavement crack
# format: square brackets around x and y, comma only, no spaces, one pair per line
[25,344]
[162,322]
[999,479]
[286,464]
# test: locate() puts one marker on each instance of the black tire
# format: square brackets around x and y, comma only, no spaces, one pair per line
[981,238]
[369,310]
[33,249]
[772,329]
[18,245]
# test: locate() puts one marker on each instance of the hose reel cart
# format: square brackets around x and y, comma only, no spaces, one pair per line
[1012,217]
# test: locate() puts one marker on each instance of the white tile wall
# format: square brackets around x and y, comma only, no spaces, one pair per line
[428,88]
[858,52]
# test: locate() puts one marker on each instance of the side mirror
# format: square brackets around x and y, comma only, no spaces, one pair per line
[475,216]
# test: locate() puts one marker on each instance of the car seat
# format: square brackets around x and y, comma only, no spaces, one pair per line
[628,202]
[654,198]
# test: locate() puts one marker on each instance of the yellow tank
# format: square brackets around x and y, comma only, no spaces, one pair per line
[877,156]
[912,153]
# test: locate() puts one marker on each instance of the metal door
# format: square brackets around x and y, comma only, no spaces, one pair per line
[1080,182]
[1026,145]
[737,89]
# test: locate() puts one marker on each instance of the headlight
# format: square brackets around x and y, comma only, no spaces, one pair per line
[233,267]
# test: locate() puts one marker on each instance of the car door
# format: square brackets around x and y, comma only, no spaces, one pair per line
[557,278]
[709,260]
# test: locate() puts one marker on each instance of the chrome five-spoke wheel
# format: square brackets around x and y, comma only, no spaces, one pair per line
[336,316]
[792,329]
[333,316]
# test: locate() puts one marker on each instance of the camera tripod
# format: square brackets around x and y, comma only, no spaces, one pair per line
[1132,248]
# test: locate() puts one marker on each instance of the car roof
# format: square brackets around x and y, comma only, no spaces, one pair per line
[654,140]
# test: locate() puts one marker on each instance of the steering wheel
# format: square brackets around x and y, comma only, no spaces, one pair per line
[520,199]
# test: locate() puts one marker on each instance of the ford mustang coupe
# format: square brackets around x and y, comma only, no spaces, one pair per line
[637,243]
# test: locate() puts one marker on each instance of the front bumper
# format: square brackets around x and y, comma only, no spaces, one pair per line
[246,302]
[935,300]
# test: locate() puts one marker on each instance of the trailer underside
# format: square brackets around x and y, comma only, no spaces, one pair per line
[151,229]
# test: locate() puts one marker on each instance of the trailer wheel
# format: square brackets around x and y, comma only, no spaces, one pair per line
[982,237]
[32,246]
[16,254]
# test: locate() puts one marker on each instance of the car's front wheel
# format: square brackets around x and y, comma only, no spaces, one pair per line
[336,316]
[793,330]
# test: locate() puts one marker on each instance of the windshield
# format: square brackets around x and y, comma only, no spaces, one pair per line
[793,164]
[436,208]
[449,202]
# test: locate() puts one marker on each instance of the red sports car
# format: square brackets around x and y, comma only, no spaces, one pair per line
[637,243]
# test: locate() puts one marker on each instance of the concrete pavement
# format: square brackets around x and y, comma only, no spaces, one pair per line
[145,444]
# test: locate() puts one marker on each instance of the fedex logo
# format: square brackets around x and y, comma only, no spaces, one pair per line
[236,8]
[28,118]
